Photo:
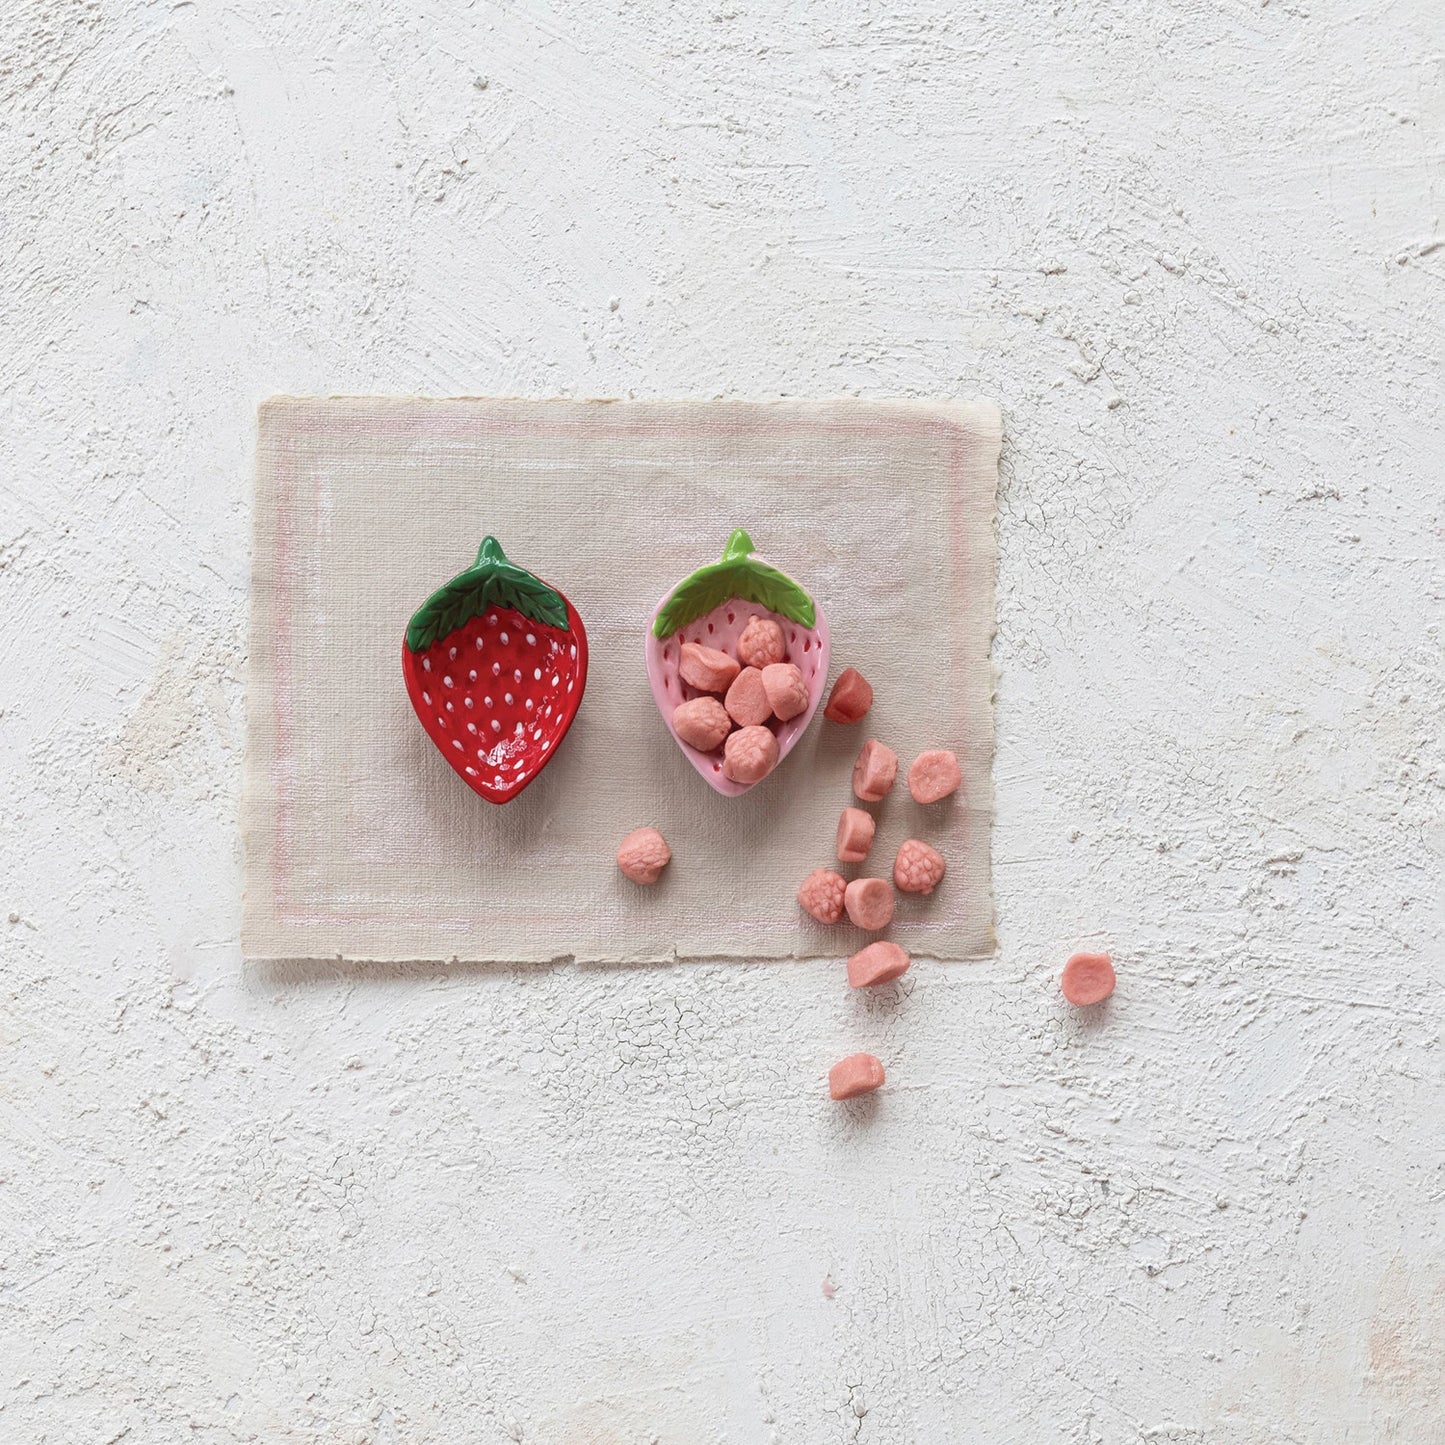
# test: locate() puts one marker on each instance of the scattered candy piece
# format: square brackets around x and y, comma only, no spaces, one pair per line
[750,754]
[702,723]
[918,868]
[855,835]
[857,1074]
[643,854]
[747,699]
[821,894]
[869,903]
[934,775]
[1088,978]
[874,771]
[880,962]
[850,698]
[761,643]
[705,668]
[786,691]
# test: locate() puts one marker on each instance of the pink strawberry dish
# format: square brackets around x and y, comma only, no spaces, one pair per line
[749,640]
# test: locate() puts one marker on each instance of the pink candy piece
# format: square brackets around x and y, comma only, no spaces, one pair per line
[868,902]
[874,771]
[747,699]
[918,868]
[821,894]
[880,962]
[857,1074]
[850,699]
[750,754]
[1088,978]
[643,854]
[855,835]
[934,775]
[761,643]
[786,691]
[702,723]
[705,668]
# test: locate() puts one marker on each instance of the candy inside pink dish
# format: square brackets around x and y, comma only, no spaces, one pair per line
[712,609]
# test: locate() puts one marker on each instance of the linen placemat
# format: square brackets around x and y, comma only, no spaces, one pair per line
[362,844]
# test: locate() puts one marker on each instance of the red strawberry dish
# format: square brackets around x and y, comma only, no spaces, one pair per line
[495,665]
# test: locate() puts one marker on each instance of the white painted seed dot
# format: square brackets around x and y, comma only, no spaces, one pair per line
[516,767]
[479,643]
[457,744]
[529,704]
[467,700]
[574,649]
[491,619]
[447,682]
[471,727]
[507,698]
[486,702]
[546,745]
[426,698]
[505,638]
[519,729]
[472,675]
[570,686]
[498,780]
[555,679]
[531,639]
[536,674]
[517,675]
[496,726]
[454,654]
[441,721]
[426,664]
[496,669]
[482,754]
[450,708]
[471,772]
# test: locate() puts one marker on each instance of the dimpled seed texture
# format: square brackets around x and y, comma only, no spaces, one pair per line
[855,835]
[747,699]
[1088,978]
[705,668]
[918,868]
[821,894]
[761,642]
[934,775]
[786,690]
[750,754]
[869,903]
[857,1074]
[874,772]
[850,698]
[880,962]
[643,854]
[702,723]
